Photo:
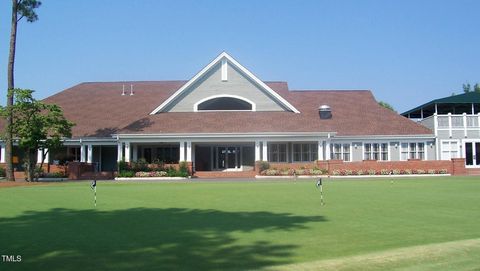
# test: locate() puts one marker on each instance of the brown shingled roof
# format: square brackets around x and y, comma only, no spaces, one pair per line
[99,110]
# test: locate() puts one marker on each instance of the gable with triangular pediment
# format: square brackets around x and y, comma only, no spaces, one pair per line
[226,79]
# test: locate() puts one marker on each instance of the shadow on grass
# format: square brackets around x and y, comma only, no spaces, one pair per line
[145,239]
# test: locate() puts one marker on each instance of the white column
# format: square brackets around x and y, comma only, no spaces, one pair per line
[320,150]
[327,150]
[119,151]
[89,153]
[39,156]
[189,151]
[264,151]
[82,153]
[257,151]
[47,155]
[127,152]
[134,152]
[2,154]
[450,125]
[435,130]
[182,151]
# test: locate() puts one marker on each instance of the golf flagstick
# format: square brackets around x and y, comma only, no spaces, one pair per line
[94,187]
[319,185]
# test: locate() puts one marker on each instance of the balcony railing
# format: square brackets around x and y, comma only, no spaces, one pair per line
[452,122]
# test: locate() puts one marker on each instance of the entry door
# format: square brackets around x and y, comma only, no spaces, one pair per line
[472,154]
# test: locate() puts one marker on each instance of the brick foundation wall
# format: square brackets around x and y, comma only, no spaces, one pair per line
[456,166]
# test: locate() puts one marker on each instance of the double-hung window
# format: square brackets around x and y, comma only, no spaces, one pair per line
[376,151]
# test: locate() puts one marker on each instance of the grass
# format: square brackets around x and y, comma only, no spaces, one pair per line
[412,224]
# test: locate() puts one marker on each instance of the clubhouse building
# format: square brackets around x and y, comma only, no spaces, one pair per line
[225,119]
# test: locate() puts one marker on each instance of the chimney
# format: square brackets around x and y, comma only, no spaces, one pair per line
[325,112]
[123,90]
[131,90]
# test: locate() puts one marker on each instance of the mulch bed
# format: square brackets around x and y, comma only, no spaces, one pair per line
[4,184]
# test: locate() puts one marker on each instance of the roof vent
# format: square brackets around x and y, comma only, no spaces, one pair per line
[325,112]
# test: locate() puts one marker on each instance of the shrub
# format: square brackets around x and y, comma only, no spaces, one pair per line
[372,172]
[348,172]
[122,166]
[360,172]
[2,172]
[443,171]
[432,171]
[271,172]
[396,171]
[264,165]
[317,171]
[408,171]
[151,174]
[126,173]
[385,172]
[336,172]
[140,165]
[183,169]
[421,171]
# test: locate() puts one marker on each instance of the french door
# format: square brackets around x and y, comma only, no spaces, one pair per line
[472,154]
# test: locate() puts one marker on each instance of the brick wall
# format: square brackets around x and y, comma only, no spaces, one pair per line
[455,166]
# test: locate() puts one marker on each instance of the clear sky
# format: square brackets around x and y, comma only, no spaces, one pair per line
[406,52]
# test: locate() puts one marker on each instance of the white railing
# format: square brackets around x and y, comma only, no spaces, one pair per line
[457,122]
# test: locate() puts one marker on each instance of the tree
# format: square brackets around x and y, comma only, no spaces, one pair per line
[386,105]
[36,126]
[476,87]
[20,9]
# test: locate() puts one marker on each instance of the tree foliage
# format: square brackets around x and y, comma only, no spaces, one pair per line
[386,105]
[36,126]
[26,8]
[468,88]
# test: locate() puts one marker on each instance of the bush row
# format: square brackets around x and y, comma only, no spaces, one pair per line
[348,172]
[141,168]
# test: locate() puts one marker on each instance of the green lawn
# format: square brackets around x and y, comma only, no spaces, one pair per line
[412,224]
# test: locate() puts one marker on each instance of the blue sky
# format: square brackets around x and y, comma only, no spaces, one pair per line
[406,52]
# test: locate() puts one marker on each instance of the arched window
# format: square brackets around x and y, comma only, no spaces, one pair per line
[225,103]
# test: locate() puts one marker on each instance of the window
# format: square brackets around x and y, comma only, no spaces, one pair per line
[277,152]
[305,152]
[225,103]
[340,151]
[412,150]
[168,154]
[376,151]
[73,153]
[450,149]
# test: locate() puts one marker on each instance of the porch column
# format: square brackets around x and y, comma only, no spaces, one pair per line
[320,150]
[182,151]
[2,154]
[127,152]
[39,156]
[264,151]
[89,153]
[119,151]
[82,153]
[134,152]
[257,150]
[327,150]
[189,151]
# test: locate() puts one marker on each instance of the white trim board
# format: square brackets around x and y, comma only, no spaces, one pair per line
[224,57]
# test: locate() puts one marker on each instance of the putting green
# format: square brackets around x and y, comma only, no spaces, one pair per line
[419,224]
